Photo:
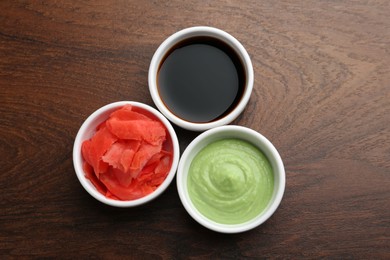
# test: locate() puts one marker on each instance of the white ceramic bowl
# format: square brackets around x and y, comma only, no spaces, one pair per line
[250,136]
[189,33]
[87,130]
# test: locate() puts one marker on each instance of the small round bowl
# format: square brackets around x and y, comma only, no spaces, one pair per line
[179,36]
[245,134]
[87,130]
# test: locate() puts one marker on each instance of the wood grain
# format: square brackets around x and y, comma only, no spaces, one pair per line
[321,95]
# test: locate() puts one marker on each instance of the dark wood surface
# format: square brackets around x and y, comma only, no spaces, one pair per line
[321,95]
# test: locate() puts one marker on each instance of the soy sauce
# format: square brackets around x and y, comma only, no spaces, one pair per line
[201,79]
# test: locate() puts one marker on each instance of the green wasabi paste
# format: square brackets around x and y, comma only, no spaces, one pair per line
[230,181]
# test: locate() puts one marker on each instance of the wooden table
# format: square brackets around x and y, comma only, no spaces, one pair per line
[321,95]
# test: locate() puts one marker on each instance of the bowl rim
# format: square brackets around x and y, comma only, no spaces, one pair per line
[187,33]
[78,160]
[218,133]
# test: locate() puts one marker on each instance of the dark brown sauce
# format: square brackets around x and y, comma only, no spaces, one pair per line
[201,79]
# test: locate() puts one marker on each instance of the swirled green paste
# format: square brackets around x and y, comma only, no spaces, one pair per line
[230,181]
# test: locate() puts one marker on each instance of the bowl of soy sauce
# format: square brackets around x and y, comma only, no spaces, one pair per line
[200,78]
